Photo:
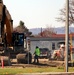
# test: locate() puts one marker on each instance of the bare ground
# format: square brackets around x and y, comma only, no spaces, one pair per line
[42,63]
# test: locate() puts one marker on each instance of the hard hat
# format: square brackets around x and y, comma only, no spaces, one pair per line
[62,45]
[36,46]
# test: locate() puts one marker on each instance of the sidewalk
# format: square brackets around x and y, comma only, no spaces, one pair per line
[50,73]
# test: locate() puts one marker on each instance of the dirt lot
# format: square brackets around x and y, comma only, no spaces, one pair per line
[50,63]
[42,63]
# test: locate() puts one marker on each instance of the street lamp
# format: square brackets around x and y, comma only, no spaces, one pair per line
[67,35]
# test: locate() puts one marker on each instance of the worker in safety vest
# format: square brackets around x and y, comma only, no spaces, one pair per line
[36,53]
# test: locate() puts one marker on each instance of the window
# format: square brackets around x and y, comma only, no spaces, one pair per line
[18,39]
[53,46]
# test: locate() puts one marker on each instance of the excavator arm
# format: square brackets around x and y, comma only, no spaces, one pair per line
[6,24]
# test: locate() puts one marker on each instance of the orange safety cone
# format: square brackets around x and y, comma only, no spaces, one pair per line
[2,62]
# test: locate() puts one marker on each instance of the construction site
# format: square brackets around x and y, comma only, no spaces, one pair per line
[14,55]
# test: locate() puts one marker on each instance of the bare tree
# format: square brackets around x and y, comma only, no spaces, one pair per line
[21,28]
[47,32]
[71,13]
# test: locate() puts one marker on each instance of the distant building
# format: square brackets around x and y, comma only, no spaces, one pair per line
[51,42]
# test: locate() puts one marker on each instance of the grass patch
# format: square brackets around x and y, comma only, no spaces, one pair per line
[28,70]
[32,70]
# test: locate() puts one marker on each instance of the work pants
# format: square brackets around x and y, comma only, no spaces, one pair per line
[36,58]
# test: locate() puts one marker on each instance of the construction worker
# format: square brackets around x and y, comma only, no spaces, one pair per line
[36,53]
[62,51]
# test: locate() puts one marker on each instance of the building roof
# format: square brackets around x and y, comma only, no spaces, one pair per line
[56,36]
[52,37]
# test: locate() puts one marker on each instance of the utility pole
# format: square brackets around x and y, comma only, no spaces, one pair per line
[67,35]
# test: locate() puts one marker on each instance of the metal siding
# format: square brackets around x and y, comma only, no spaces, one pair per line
[45,42]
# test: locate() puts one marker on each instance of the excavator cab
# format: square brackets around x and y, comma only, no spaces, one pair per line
[18,39]
[18,42]
[16,46]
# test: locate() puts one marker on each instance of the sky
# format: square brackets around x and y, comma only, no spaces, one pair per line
[35,13]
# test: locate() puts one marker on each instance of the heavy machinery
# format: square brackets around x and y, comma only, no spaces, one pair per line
[11,43]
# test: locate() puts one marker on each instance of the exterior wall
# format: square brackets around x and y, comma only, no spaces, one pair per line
[45,43]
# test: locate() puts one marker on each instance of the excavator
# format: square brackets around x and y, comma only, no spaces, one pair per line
[11,43]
